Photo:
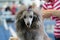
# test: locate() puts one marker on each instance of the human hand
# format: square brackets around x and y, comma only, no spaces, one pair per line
[46,13]
[13,38]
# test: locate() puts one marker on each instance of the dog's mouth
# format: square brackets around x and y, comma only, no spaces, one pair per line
[28,25]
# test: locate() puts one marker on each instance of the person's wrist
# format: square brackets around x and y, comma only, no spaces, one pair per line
[51,14]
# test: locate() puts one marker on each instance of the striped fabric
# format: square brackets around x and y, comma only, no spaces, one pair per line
[57,5]
[57,27]
[48,6]
[54,5]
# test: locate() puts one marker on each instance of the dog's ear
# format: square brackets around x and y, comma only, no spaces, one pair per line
[20,24]
[35,17]
[19,14]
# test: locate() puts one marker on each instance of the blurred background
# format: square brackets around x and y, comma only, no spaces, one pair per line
[8,9]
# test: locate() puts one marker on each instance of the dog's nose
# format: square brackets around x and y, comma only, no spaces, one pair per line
[28,23]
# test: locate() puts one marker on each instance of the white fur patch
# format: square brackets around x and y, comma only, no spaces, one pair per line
[28,18]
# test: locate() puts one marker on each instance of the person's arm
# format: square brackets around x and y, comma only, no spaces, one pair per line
[49,13]
[56,13]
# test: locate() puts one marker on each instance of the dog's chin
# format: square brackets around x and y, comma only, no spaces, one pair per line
[28,26]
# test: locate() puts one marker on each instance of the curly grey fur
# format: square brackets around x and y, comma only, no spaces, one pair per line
[36,32]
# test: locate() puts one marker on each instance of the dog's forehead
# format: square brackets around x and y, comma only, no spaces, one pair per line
[28,12]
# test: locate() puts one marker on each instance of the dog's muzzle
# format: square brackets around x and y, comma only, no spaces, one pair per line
[28,25]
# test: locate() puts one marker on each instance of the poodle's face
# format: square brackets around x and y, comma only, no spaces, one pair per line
[28,18]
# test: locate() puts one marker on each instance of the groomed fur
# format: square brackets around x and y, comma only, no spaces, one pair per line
[36,32]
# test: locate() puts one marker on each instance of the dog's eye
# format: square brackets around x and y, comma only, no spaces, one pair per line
[30,16]
[24,16]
